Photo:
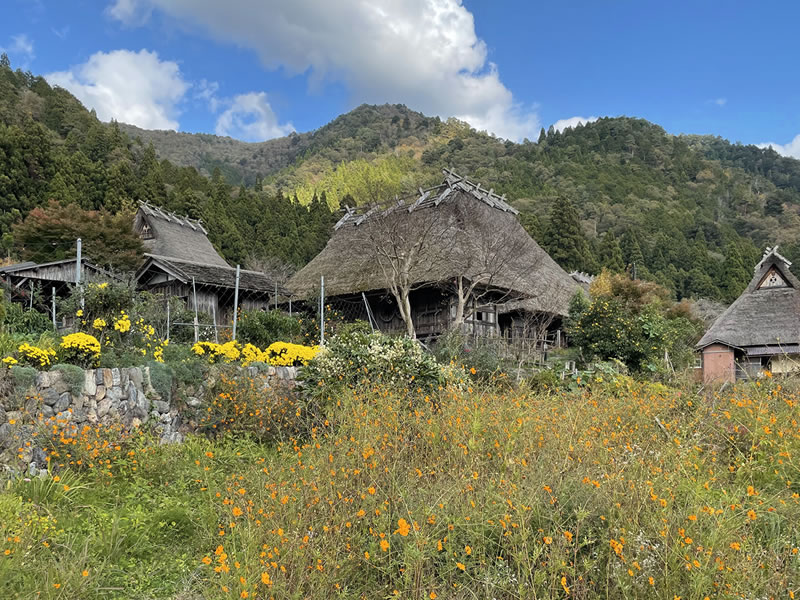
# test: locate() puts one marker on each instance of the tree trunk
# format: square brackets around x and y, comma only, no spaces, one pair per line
[458,320]
[404,305]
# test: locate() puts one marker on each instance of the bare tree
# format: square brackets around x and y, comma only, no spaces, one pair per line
[408,247]
[488,262]
[273,267]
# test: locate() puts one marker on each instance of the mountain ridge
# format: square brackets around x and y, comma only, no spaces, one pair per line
[690,212]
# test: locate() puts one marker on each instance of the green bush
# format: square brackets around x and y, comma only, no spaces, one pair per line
[187,367]
[101,301]
[73,376]
[635,322]
[262,328]
[544,380]
[472,354]
[20,320]
[23,378]
[161,378]
[356,356]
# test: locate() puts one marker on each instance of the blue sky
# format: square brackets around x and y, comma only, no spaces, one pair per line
[255,69]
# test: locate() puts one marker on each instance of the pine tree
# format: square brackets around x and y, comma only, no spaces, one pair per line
[564,239]
[530,222]
[734,275]
[611,253]
[632,252]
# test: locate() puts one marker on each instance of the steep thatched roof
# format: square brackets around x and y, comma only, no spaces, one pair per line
[456,228]
[766,314]
[167,234]
[207,275]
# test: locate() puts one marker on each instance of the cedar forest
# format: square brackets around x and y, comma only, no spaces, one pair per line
[690,212]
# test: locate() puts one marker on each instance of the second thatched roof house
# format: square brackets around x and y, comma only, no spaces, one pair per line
[181,261]
[452,255]
[760,330]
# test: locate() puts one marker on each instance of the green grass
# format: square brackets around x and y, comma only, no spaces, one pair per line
[482,494]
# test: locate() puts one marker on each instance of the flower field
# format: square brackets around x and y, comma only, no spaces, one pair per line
[611,489]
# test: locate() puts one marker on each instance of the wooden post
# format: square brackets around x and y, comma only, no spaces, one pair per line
[55,326]
[196,323]
[322,310]
[214,317]
[236,303]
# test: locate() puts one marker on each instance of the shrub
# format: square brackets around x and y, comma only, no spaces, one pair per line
[244,405]
[227,352]
[161,378]
[284,354]
[262,328]
[80,349]
[187,367]
[33,356]
[23,378]
[544,379]
[73,376]
[356,356]
[20,320]
[472,354]
[633,321]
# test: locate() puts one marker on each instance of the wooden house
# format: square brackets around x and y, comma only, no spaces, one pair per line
[760,330]
[457,247]
[23,279]
[181,261]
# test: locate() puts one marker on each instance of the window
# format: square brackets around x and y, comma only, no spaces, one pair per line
[773,280]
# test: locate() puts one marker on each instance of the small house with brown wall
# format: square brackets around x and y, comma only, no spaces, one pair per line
[760,331]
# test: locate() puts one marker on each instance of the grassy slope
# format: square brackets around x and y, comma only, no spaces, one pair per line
[493,494]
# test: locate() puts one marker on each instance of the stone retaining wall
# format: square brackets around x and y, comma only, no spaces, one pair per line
[123,396]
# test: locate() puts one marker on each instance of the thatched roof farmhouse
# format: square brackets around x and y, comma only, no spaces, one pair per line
[760,330]
[182,262]
[454,234]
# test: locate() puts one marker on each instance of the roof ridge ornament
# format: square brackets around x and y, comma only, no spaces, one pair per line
[773,251]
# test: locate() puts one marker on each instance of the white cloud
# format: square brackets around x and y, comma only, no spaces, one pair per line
[424,53]
[20,49]
[130,12]
[792,149]
[207,92]
[251,118]
[563,124]
[132,87]
[720,101]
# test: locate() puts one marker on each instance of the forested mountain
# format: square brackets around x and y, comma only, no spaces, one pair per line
[691,212]
[52,148]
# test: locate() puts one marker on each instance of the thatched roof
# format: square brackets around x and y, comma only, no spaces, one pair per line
[167,234]
[456,228]
[207,275]
[766,314]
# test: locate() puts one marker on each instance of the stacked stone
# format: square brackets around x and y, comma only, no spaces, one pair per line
[125,396]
